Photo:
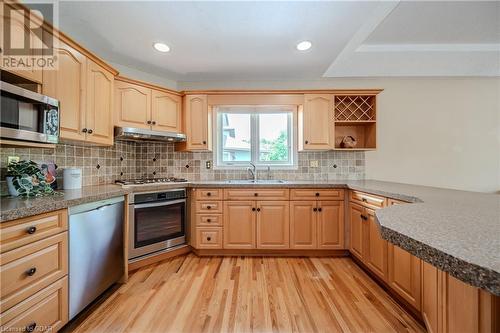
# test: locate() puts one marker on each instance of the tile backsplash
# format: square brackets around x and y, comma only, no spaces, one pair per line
[125,160]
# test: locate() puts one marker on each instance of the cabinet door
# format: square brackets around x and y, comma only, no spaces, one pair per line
[273,225]
[430,297]
[196,122]
[133,105]
[68,85]
[19,35]
[165,111]
[331,224]
[404,274]
[239,224]
[303,224]
[99,104]
[318,122]
[356,225]
[375,256]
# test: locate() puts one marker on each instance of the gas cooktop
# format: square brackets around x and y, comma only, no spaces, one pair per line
[146,181]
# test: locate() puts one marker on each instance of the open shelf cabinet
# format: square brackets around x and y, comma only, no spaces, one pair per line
[355,116]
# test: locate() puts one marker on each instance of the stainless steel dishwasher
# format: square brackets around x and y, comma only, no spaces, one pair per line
[95,250]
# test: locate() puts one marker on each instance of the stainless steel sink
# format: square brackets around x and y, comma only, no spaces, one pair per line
[259,181]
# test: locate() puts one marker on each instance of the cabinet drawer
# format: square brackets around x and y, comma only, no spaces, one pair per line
[368,200]
[209,220]
[24,231]
[44,311]
[209,238]
[321,194]
[30,268]
[209,194]
[208,206]
[256,194]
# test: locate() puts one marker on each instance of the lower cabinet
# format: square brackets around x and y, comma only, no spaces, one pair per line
[273,226]
[430,297]
[303,224]
[239,224]
[330,224]
[404,275]
[366,242]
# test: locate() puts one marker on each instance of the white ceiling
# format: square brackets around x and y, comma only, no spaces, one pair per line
[214,40]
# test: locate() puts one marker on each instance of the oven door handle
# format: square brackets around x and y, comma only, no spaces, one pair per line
[159,204]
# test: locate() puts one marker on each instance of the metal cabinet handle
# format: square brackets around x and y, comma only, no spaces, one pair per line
[209,239]
[90,131]
[209,220]
[154,122]
[204,142]
[363,217]
[84,130]
[315,209]
[209,207]
[320,209]
[256,194]
[31,327]
[307,142]
[258,209]
[317,194]
[31,230]
[31,271]
[364,200]
[253,209]
[149,122]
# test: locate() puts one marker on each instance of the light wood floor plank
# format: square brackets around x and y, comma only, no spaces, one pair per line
[247,294]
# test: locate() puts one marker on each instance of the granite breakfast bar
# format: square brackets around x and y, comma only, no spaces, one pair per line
[456,231]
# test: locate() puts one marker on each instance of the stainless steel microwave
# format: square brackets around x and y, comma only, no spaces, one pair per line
[28,116]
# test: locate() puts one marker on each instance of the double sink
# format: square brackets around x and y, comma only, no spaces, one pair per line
[258,181]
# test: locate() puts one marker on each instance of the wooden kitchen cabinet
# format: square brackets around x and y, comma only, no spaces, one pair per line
[430,297]
[273,225]
[18,31]
[239,224]
[99,113]
[316,123]
[404,275]
[166,111]
[68,84]
[330,225]
[376,250]
[132,105]
[356,218]
[303,225]
[197,124]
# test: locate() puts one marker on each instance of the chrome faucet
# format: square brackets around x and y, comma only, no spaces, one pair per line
[252,170]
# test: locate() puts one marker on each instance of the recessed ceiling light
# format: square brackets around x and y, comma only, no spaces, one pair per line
[162,47]
[304,45]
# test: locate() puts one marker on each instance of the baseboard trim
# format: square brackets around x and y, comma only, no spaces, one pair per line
[271,253]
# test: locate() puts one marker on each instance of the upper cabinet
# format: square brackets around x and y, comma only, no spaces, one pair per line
[19,26]
[68,85]
[139,105]
[99,104]
[197,124]
[166,111]
[316,125]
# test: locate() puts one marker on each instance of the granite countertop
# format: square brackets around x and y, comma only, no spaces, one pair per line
[15,208]
[456,231]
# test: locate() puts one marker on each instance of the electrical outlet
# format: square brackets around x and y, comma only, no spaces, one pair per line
[314,164]
[12,159]
[208,164]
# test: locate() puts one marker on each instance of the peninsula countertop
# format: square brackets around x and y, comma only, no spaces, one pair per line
[456,231]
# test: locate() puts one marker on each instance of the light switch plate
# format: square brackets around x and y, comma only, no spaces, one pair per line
[314,164]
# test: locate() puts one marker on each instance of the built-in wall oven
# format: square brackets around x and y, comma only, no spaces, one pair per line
[27,115]
[157,222]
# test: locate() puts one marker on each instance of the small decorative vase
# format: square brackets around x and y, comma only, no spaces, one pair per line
[12,190]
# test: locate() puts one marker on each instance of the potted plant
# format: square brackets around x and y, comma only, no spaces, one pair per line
[24,178]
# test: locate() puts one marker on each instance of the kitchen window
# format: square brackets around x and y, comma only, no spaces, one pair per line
[262,135]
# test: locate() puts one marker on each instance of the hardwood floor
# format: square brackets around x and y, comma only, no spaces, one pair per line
[247,294]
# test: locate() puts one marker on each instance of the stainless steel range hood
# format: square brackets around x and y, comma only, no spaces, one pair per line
[139,134]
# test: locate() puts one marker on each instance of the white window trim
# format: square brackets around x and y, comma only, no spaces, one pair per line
[292,139]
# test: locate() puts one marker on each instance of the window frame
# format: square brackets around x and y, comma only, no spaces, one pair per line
[254,111]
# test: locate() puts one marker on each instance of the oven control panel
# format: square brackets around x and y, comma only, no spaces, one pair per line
[159,196]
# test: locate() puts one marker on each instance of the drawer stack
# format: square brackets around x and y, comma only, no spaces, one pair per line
[33,271]
[208,218]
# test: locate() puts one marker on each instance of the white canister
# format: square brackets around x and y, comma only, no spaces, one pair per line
[72,178]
